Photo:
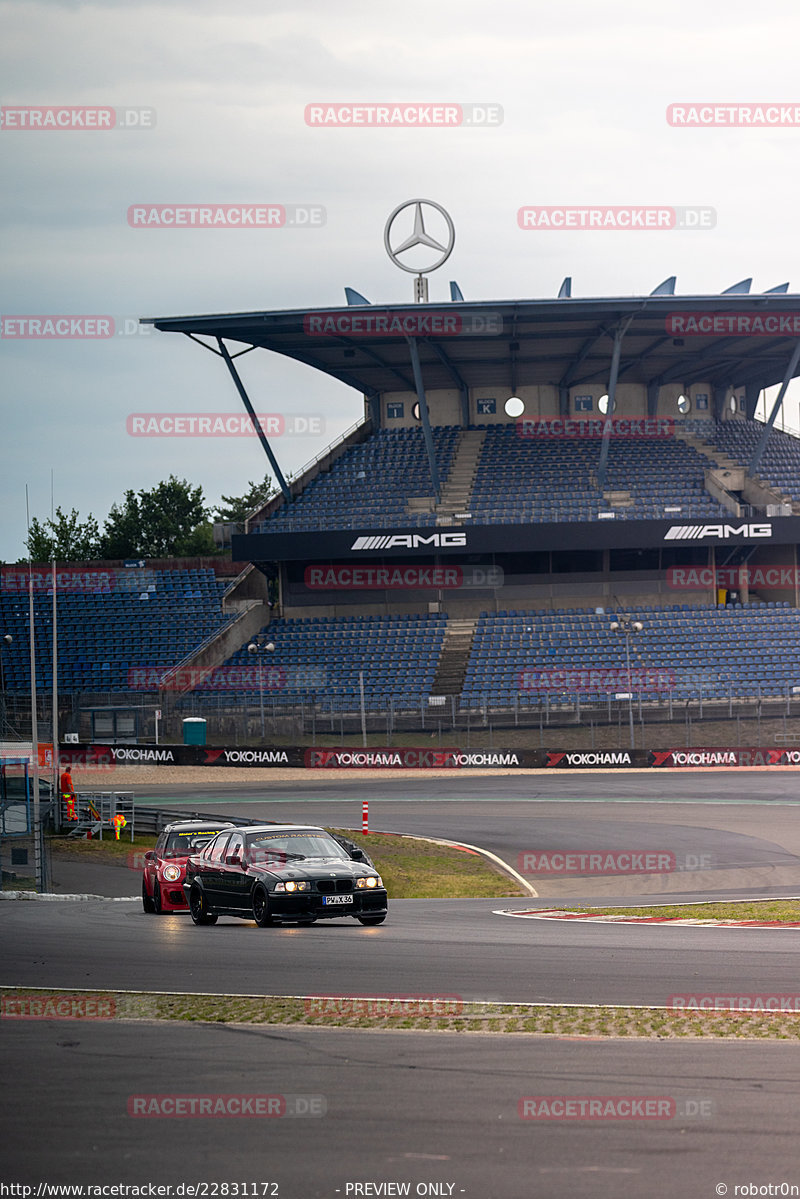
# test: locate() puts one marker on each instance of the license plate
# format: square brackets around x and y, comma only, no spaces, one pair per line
[327,900]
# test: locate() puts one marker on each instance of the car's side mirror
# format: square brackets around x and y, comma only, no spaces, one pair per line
[150,855]
[357,855]
[233,859]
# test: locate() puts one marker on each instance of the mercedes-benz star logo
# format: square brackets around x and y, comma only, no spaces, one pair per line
[419,237]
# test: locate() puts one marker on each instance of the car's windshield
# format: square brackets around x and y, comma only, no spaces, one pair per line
[273,849]
[183,842]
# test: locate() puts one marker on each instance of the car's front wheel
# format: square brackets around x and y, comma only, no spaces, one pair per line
[157,906]
[261,913]
[147,903]
[371,919]
[198,907]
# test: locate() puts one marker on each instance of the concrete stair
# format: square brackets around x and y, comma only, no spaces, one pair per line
[457,490]
[619,499]
[452,668]
[709,450]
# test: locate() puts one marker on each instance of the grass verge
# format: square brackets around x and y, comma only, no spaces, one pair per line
[780,911]
[423,1014]
[414,869]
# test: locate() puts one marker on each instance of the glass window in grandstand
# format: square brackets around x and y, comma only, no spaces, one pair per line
[395,410]
[684,404]
[486,407]
[701,403]
[584,403]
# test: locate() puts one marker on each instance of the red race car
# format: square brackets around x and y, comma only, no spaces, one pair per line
[165,866]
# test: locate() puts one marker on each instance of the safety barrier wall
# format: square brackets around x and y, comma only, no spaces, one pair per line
[107,757]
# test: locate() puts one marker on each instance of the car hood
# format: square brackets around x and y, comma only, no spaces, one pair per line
[311,868]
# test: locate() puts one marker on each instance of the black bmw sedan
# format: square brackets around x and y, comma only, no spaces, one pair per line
[282,872]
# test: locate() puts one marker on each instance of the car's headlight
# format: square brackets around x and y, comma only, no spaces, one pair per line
[372,880]
[292,886]
[172,873]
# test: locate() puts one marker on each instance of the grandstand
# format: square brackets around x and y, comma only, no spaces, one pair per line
[119,634]
[473,540]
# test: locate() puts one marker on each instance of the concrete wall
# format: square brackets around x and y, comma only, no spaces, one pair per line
[224,645]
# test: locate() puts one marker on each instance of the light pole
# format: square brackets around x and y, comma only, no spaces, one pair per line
[5,643]
[259,645]
[627,625]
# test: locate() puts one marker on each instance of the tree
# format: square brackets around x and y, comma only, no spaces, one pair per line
[238,508]
[120,538]
[159,523]
[66,538]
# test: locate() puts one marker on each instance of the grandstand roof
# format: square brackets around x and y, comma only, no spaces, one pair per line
[565,342]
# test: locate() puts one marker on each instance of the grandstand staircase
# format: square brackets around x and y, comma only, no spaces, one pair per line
[452,668]
[708,450]
[725,462]
[457,490]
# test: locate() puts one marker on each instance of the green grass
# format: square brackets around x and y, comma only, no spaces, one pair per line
[107,850]
[450,1016]
[414,869]
[784,911]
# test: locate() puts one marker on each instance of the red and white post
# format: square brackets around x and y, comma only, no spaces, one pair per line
[365,817]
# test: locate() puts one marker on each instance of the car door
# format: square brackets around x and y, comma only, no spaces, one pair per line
[234,884]
[212,867]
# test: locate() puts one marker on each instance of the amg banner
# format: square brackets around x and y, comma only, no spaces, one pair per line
[108,757]
[608,532]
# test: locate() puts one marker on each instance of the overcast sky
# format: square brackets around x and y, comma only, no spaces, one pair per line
[584,87]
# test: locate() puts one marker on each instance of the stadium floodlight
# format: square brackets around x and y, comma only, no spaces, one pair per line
[627,626]
[259,643]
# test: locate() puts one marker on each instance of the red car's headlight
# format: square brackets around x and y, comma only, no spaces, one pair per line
[171,873]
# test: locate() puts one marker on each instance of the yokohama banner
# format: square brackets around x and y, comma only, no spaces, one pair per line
[427,758]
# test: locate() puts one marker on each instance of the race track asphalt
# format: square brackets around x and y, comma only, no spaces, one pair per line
[407,1108]
[434,1110]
